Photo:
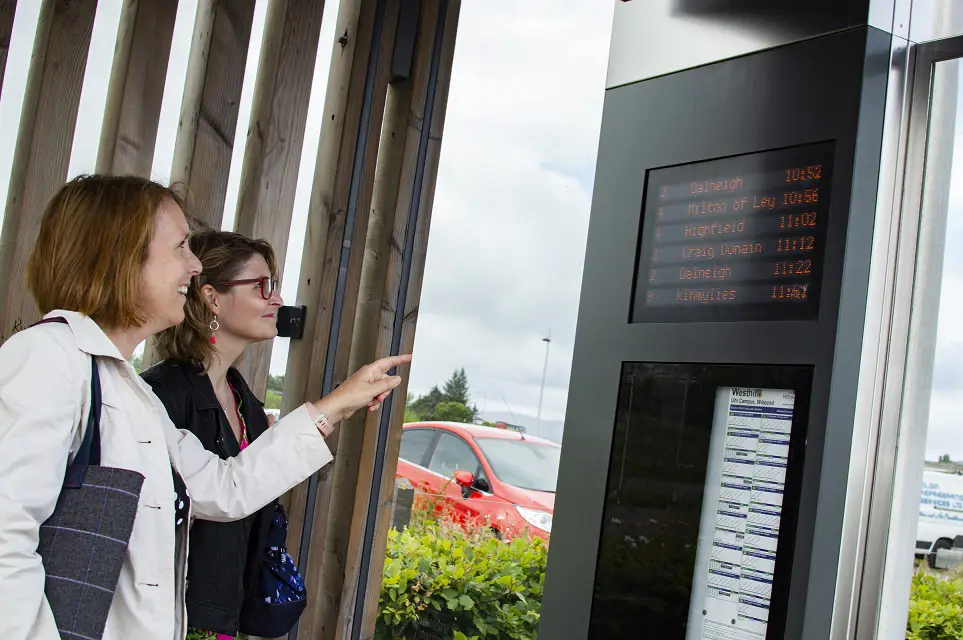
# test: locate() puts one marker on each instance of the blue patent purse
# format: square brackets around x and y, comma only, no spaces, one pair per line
[279,596]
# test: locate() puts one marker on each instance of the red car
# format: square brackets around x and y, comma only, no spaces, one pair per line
[495,477]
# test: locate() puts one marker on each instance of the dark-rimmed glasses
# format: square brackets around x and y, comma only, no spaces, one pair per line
[268,285]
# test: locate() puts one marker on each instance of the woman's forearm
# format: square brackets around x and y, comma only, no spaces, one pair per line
[367,387]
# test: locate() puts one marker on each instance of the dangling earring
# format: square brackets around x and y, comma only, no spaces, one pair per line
[214,327]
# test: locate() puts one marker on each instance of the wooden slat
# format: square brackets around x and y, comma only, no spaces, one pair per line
[337,220]
[339,138]
[384,249]
[209,111]
[381,246]
[275,138]
[136,87]
[353,39]
[413,217]
[42,154]
[7,10]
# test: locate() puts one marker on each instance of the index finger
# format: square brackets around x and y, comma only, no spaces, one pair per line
[385,364]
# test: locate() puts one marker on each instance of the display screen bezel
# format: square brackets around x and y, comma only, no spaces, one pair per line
[765,160]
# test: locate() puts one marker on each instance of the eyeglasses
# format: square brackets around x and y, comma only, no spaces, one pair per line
[268,285]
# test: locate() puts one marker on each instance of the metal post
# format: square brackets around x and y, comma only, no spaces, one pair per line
[541,392]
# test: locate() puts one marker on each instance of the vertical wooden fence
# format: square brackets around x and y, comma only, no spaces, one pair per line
[368,218]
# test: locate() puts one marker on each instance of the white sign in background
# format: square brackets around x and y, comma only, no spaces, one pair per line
[741,514]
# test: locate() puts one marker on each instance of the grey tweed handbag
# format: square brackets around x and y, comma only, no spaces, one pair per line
[84,542]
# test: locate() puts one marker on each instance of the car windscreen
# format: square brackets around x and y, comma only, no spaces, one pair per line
[527,465]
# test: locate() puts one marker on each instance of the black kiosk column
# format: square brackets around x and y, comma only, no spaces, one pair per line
[710,415]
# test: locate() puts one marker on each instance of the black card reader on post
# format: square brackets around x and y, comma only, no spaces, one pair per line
[290,321]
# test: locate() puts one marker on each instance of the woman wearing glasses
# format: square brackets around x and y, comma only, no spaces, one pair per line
[231,305]
[111,267]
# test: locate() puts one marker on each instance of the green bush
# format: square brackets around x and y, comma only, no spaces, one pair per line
[272,400]
[441,582]
[936,607]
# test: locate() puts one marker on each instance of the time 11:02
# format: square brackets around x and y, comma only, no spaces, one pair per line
[797,220]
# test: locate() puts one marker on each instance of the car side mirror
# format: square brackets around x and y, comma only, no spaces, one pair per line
[464,478]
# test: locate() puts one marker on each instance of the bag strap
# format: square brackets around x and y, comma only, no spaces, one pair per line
[89,452]
[88,455]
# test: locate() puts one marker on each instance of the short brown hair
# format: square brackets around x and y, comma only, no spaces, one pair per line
[223,255]
[92,247]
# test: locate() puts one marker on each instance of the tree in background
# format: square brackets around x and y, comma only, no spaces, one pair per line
[456,388]
[424,407]
[410,415]
[450,403]
[452,412]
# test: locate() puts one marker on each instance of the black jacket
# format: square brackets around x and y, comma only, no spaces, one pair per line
[224,556]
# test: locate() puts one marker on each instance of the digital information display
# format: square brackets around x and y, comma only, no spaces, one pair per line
[738,238]
[741,514]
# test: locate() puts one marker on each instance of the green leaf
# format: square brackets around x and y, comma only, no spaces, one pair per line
[435,571]
[393,569]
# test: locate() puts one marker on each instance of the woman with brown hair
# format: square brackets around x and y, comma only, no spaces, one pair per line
[230,305]
[111,267]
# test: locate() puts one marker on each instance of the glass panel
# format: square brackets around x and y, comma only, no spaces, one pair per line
[494,315]
[925,556]
[414,445]
[452,454]
[529,465]
[702,502]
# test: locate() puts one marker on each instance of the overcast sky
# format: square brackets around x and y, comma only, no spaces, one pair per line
[514,188]
[946,405]
[512,202]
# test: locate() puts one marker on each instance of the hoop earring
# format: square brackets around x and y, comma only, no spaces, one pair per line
[214,327]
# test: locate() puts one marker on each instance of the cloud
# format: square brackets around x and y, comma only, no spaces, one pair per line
[944,426]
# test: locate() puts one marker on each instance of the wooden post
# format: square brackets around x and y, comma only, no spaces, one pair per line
[136,87]
[7,10]
[302,364]
[337,226]
[399,313]
[209,111]
[363,349]
[42,153]
[269,175]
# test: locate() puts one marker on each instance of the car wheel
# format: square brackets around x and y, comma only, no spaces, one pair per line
[942,543]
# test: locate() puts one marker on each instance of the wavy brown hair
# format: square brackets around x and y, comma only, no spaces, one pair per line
[223,255]
[92,247]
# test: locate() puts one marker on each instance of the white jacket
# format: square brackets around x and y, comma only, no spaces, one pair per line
[44,395]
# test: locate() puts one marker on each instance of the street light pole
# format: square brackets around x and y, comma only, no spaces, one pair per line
[541,392]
